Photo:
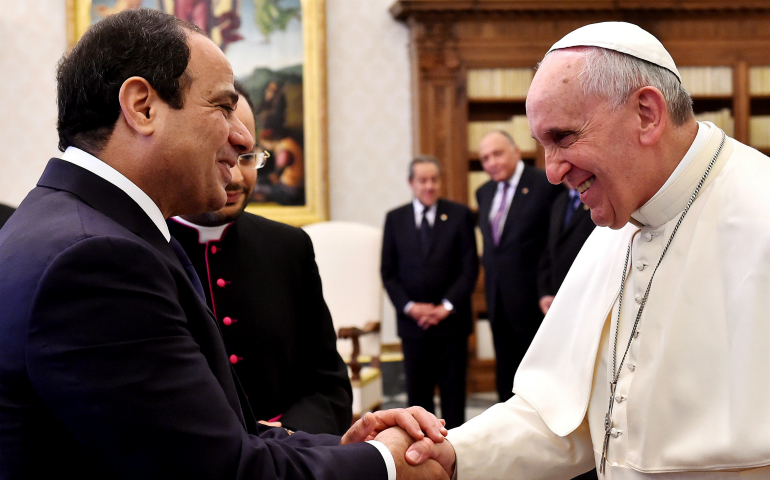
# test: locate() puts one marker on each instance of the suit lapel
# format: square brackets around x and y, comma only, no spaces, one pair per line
[486,196]
[439,224]
[577,217]
[517,203]
[409,224]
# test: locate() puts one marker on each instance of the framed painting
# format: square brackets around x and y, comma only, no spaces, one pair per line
[278,52]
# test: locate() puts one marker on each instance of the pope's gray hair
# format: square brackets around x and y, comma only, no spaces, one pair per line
[615,76]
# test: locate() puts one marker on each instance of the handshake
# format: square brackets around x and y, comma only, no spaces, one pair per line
[414,437]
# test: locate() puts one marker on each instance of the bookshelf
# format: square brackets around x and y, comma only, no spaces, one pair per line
[463,52]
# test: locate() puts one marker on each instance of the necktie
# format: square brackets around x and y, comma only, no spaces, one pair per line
[497,220]
[572,206]
[188,267]
[425,232]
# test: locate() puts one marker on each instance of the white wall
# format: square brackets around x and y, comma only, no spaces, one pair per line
[370,124]
[370,130]
[32,38]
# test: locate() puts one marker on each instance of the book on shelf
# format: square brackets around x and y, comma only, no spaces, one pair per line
[721,118]
[511,83]
[759,131]
[759,80]
[517,127]
[707,81]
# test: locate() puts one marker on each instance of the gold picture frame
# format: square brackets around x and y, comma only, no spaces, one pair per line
[314,109]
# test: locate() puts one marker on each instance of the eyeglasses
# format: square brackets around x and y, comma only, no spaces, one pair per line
[253,160]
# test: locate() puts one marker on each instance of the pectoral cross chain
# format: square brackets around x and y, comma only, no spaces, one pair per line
[608,426]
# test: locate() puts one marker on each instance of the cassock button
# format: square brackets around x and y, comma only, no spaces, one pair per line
[637,297]
[235,359]
[222,282]
[619,398]
[648,236]
[631,367]
[640,265]
[213,249]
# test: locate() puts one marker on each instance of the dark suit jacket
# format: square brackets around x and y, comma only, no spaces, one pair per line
[448,272]
[511,267]
[283,330]
[564,243]
[112,366]
[5,214]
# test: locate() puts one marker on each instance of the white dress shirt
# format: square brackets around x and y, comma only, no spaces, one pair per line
[512,182]
[88,162]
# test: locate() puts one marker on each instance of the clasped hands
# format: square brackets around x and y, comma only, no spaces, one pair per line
[427,315]
[414,437]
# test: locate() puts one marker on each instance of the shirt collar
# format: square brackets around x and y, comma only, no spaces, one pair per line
[672,197]
[513,182]
[419,207]
[205,234]
[88,162]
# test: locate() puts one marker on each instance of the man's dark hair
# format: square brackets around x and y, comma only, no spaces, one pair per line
[422,159]
[138,42]
[244,93]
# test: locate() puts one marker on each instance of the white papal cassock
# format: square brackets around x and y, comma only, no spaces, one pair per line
[693,396]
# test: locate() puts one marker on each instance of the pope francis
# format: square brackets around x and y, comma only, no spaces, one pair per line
[653,362]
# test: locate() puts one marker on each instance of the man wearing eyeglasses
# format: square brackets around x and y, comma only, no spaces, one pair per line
[262,283]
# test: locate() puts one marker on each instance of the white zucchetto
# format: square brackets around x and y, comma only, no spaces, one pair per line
[621,37]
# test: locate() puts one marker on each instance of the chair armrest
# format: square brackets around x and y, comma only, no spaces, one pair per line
[354,333]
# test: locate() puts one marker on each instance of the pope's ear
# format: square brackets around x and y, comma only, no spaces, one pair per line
[653,114]
[138,103]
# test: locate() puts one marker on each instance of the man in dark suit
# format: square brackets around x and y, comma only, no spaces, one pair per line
[429,268]
[262,283]
[111,365]
[514,207]
[5,213]
[568,230]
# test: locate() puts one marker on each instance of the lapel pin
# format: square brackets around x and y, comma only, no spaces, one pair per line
[443,217]
[525,190]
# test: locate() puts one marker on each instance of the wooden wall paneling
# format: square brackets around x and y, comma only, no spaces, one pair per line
[442,109]
[741,101]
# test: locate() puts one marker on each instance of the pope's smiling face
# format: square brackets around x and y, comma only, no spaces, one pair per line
[587,145]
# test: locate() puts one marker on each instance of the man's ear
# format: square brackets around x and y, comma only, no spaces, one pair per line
[653,114]
[138,103]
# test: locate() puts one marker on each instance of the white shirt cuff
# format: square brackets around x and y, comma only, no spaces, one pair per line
[408,307]
[390,464]
[447,305]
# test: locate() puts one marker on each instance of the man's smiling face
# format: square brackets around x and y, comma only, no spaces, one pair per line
[587,146]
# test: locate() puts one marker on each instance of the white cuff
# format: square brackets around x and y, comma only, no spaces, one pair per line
[390,464]
[408,307]
[447,305]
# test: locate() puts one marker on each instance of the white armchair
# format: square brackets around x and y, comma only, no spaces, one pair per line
[348,258]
